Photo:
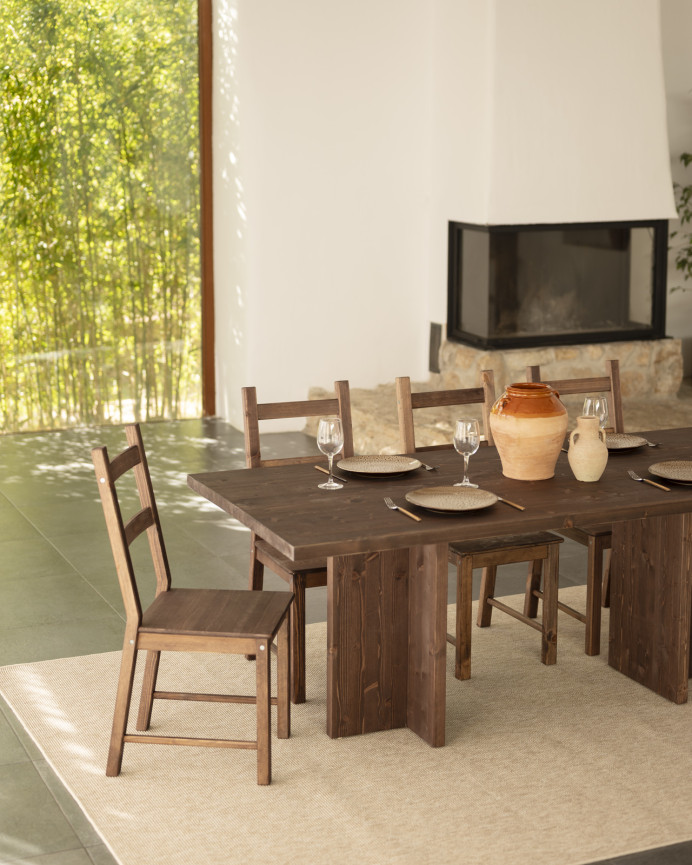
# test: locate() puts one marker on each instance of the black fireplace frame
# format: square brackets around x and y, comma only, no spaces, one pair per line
[659,286]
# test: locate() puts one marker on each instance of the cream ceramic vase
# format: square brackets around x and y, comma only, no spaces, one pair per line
[528,424]
[588,452]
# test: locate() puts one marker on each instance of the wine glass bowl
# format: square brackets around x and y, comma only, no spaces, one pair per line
[330,440]
[467,439]
[597,406]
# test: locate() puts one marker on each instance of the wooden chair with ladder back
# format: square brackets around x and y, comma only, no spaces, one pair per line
[598,539]
[186,620]
[539,549]
[300,574]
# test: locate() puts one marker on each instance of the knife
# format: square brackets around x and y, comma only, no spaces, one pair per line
[326,471]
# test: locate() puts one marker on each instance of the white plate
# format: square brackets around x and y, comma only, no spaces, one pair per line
[678,471]
[450,499]
[379,464]
[621,442]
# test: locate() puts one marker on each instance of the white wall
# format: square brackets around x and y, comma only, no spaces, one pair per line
[461,129]
[331,149]
[579,123]
[348,134]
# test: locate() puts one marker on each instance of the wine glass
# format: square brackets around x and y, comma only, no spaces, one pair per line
[598,406]
[467,438]
[330,440]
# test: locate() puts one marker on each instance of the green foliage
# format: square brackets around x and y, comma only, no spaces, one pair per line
[683,252]
[99,212]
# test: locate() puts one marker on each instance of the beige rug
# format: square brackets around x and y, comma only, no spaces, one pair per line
[556,765]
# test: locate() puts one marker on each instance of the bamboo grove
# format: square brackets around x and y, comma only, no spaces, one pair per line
[99,212]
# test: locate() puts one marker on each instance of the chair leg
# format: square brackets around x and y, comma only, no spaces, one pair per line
[485,610]
[256,569]
[297,616]
[146,702]
[549,611]
[533,584]
[283,680]
[122,705]
[256,581]
[605,593]
[264,757]
[462,654]
[594,571]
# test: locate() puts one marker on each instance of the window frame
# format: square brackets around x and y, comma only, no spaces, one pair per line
[205,46]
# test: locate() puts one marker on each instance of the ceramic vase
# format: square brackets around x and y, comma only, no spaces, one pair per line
[588,453]
[528,424]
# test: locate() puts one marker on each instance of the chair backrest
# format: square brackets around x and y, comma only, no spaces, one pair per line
[122,533]
[408,401]
[606,384]
[254,412]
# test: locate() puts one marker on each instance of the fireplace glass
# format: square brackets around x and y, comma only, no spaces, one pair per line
[533,285]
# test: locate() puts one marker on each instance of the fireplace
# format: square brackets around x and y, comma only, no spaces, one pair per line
[536,285]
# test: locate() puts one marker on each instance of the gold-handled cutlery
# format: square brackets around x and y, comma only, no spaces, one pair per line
[635,477]
[326,471]
[390,504]
[511,504]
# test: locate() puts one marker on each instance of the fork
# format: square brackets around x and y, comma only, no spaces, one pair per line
[635,477]
[652,444]
[427,467]
[390,504]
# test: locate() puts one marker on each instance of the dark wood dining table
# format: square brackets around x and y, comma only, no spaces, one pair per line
[387,574]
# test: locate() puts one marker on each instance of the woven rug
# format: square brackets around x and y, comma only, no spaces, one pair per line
[565,764]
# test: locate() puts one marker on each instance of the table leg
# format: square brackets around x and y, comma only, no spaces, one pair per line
[386,642]
[367,637]
[651,602]
[427,650]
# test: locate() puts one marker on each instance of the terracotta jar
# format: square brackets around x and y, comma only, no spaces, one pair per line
[528,424]
[588,453]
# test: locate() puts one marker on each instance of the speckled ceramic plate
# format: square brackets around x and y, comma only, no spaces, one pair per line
[450,499]
[622,442]
[379,464]
[677,471]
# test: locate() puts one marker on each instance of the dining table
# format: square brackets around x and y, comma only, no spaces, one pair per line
[387,573]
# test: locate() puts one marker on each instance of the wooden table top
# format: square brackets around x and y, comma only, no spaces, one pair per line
[285,506]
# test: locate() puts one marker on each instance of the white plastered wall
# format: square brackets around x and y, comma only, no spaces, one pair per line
[322,275]
[347,136]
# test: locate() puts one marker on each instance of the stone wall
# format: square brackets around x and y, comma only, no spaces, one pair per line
[646,366]
[650,372]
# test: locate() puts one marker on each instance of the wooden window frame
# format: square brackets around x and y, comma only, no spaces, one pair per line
[205,41]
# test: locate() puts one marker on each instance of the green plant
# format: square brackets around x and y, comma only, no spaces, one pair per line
[99,212]
[683,252]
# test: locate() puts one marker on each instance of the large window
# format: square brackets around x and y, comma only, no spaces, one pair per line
[100,286]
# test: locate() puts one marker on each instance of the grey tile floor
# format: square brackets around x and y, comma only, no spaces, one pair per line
[59,595]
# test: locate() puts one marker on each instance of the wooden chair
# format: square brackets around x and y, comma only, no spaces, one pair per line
[300,574]
[598,539]
[185,620]
[539,549]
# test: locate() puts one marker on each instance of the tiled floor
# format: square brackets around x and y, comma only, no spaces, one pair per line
[59,595]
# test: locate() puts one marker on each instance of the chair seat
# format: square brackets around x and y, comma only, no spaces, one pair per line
[506,543]
[267,554]
[217,612]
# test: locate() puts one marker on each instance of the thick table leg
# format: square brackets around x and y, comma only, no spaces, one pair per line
[386,642]
[367,638]
[651,602]
[427,642]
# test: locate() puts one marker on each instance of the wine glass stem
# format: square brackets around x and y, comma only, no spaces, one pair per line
[466,468]
[330,457]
